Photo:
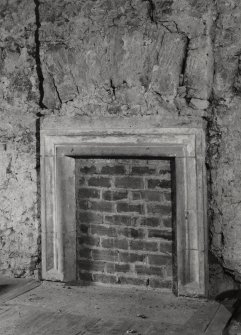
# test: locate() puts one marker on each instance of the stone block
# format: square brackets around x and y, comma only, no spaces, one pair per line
[198,103]
[198,76]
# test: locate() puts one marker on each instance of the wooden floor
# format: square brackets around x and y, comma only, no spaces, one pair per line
[28,308]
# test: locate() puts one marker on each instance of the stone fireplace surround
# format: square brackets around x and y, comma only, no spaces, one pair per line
[63,139]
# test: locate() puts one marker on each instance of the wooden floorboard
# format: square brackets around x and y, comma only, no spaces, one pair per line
[219,321]
[54,309]
[11,288]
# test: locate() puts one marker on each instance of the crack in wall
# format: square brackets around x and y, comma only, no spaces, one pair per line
[185,57]
[151,12]
[57,92]
[37,56]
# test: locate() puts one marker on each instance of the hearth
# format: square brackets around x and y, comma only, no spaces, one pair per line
[124,202]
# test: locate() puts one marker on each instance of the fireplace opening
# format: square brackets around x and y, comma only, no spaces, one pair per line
[125,227]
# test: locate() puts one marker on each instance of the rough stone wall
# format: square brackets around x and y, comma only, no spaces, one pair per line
[176,58]
[19,96]
[225,144]
[126,57]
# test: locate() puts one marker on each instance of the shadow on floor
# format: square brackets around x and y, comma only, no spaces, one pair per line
[231,300]
[4,288]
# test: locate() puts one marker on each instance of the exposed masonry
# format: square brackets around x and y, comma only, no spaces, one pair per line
[179,78]
[38,35]
[124,221]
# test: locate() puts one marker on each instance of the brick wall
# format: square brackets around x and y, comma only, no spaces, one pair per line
[124,221]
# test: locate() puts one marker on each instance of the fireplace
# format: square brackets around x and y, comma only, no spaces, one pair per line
[124,221]
[99,183]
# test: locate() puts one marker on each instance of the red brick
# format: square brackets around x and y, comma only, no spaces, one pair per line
[153,196]
[113,170]
[85,276]
[105,255]
[88,169]
[143,245]
[89,217]
[128,257]
[151,271]
[158,283]
[101,206]
[142,170]
[84,253]
[115,195]
[137,195]
[103,278]
[153,208]
[147,195]
[167,222]
[157,233]
[88,193]
[84,228]
[150,221]
[88,265]
[132,232]
[156,183]
[129,182]
[169,270]
[83,204]
[159,260]
[99,182]
[126,207]
[164,171]
[131,281]
[80,181]
[166,247]
[124,220]
[88,240]
[168,196]
[114,243]
[103,230]
[115,267]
